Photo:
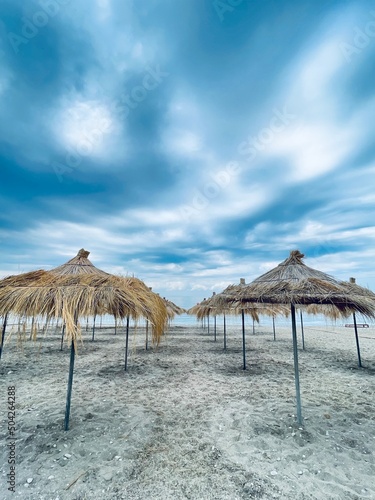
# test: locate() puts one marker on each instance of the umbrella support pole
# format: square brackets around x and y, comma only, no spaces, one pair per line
[253,326]
[208,323]
[87,325]
[273,326]
[225,334]
[62,336]
[296,370]
[357,341]
[32,328]
[146,334]
[243,339]
[70,385]
[126,343]
[115,326]
[302,332]
[215,328]
[3,334]
[93,330]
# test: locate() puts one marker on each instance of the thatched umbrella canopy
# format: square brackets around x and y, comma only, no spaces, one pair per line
[294,283]
[80,264]
[217,305]
[173,309]
[81,293]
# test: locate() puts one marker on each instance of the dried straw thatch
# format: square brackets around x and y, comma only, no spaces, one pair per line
[78,289]
[218,305]
[292,282]
[173,309]
[80,264]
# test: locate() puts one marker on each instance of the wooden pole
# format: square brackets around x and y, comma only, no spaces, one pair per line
[243,339]
[273,325]
[357,341]
[215,328]
[3,333]
[115,325]
[208,322]
[303,334]
[225,333]
[253,326]
[296,369]
[127,343]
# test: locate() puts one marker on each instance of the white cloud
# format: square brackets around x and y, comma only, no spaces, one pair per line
[84,127]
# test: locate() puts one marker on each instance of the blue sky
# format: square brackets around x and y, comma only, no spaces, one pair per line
[188,142]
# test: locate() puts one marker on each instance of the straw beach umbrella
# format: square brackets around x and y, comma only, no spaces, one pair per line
[173,310]
[72,296]
[80,264]
[217,305]
[294,283]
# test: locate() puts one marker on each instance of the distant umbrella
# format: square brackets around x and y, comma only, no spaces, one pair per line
[217,305]
[173,310]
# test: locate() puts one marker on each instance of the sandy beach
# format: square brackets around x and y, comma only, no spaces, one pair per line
[187,422]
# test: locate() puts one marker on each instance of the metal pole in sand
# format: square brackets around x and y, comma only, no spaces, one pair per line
[296,370]
[127,343]
[215,328]
[146,334]
[62,336]
[243,339]
[70,379]
[93,329]
[303,334]
[208,322]
[273,326]
[32,327]
[225,333]
[3,333]
[115,325]
[87,324]
[253,326]
[357,341]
